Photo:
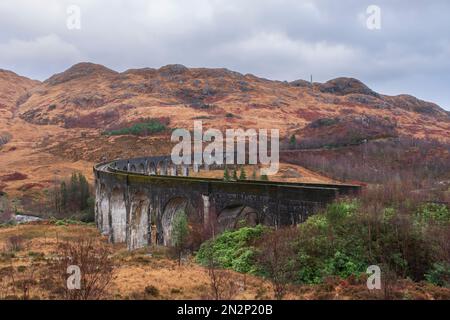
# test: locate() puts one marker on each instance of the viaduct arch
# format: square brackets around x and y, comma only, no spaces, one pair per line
[136,200]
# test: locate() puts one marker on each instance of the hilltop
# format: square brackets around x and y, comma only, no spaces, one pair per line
[51,128]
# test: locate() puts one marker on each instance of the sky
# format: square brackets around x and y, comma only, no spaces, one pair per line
[403,47]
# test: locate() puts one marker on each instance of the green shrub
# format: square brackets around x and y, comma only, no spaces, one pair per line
[439,274]
[344,265]
[432,213]
[347,237]
[139,129]
[232,249]
[330,243]
[339,211]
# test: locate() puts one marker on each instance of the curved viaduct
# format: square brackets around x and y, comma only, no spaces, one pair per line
[136,200]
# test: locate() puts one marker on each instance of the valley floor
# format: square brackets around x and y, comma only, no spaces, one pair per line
[152,274]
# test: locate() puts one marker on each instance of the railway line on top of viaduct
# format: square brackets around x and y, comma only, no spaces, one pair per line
[136,200]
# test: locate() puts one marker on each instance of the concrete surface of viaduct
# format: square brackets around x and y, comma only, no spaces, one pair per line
[136,200]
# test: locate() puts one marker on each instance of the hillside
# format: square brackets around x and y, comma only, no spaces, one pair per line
[13,89]
[92,96]
[51,128]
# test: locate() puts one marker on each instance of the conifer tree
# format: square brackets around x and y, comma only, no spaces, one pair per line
[254,173]
[226,174]
[235,176]
[243,175]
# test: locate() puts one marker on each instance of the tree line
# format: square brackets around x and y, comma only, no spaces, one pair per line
[73,196]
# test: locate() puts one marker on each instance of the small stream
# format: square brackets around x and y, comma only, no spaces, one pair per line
[22,218]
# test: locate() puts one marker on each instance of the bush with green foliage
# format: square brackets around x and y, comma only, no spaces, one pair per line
[439,274]
[347,237]
[233,249]
[243,175]
[432,213]
[140,129]
[226,174]
[235,176]
[180,232]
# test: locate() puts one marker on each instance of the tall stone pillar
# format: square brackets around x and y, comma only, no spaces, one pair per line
[206,209]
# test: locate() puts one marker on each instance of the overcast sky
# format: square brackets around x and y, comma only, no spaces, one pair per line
[275,39]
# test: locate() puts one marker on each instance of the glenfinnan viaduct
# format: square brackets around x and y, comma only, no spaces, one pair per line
[136,200]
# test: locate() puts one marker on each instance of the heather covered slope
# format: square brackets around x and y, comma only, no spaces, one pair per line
[51,128]
[222,98]
[13,88]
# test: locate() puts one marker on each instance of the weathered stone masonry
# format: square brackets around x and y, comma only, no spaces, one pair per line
[132,195]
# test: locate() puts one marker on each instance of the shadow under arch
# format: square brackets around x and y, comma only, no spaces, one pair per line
[151,168]
[162,167]
[171,209]
[141,168]
[236,215]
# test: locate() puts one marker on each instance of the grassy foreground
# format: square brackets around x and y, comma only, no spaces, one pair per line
[29,252]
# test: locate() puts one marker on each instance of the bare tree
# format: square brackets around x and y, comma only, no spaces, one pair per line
[276,258]
[221,283]
[96,268]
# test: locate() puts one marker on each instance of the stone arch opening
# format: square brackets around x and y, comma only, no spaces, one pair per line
[161,168]
[141,168]
[173,207]
[133,168]
[118,216]
[173,170]
[236,215]
[184,170]
[125,168]
[139,234]
[151,168]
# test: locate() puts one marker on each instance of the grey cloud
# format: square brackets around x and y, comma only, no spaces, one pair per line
[277,39]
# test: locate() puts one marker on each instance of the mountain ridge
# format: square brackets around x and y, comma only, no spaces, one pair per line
[51,128]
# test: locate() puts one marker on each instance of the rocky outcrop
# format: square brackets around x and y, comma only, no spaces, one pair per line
[80,71]
[5,137]
[344,86]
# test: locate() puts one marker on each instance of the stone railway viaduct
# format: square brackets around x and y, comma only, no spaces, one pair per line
[136,200]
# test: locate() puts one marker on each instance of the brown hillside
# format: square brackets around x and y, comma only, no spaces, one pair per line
[50,128]
[13,89]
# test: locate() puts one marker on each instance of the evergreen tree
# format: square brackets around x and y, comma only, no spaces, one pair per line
[73,190]
[293,141]
[235,176]
[83,192]
[64,196]
[243,175]
[226,174]
[254,173]
[180,232]
[73,196]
